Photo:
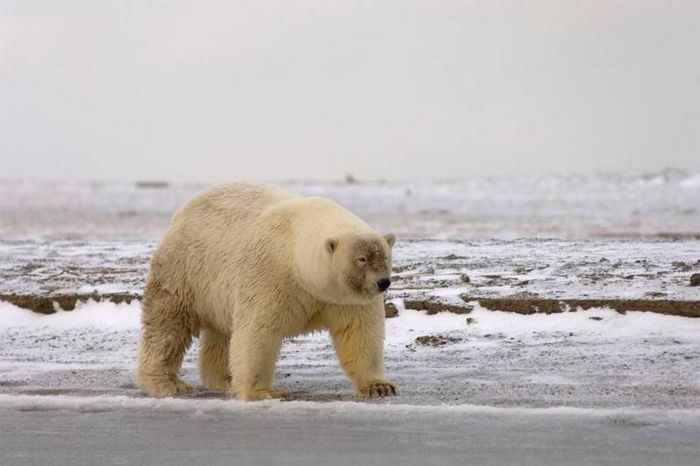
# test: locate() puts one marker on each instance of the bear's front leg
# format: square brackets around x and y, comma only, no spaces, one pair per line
[358,337]
[252,360]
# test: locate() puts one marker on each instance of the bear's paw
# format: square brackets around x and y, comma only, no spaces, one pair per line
[263,394]
[378,388]
[165,387]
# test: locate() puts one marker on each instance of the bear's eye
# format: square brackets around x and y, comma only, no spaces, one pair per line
[361,259]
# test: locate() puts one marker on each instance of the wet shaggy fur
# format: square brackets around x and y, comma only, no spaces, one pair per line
[244,266]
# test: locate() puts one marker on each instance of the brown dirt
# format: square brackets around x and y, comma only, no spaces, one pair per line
[552,306]
[433,307]
[390,310]
[45,304]
[436,340]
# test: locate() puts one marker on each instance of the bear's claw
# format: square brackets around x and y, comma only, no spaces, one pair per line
[378,388]
[182,388]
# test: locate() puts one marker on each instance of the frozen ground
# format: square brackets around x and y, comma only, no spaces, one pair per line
[587,387]
[112,430]
[594,359]
[423,269]
[486,387]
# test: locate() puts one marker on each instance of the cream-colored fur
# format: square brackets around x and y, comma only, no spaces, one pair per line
[246,265]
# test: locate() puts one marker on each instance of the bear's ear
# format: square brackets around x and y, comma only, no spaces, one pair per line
[331,244]
[391,239]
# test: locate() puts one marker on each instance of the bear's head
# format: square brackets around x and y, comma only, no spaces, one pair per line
[360,265]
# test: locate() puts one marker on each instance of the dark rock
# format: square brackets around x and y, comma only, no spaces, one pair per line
[151,184]
[695,279]
[682,266]
[390,310]
[436,340]
[435,306]
[44,304]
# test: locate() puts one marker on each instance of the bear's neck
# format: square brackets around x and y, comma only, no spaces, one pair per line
[312,272]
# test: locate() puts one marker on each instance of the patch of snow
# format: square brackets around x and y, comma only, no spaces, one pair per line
[639,360]
[592,323]
[410,323]
[91,314]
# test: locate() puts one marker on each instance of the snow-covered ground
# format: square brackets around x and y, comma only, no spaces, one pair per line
[590,387]
[587,387]
[594,359]
[444,269]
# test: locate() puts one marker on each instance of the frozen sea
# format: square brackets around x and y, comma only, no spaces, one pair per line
[590,386]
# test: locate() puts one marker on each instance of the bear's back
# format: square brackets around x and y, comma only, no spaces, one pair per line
[204,250]
[225,205]
[216,223]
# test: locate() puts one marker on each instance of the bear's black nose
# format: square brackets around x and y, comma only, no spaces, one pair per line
[383,284]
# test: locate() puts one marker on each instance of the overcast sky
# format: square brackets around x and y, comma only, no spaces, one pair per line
[213,91]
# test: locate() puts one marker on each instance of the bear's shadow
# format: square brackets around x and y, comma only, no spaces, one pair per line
[294,396]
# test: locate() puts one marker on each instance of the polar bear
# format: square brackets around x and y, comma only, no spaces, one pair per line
[245,266]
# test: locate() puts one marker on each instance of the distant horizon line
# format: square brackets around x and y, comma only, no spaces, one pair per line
[669,172]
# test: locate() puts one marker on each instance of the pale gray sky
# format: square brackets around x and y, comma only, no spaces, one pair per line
[213,91]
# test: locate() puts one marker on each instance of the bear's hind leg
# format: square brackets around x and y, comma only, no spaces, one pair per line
[166,333]
[213,360]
